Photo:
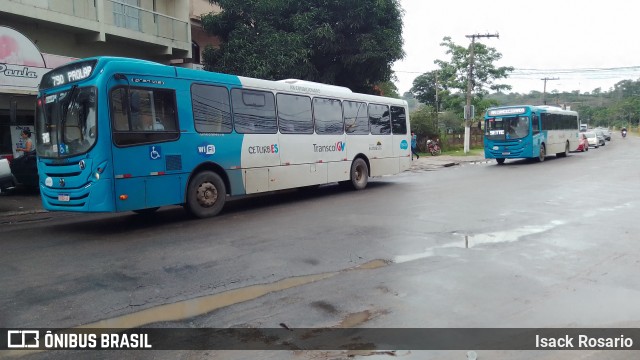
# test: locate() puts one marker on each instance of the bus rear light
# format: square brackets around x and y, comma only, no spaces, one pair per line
[125,176]
[124,197]
[154,173]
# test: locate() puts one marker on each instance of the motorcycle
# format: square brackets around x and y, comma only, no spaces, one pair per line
[433,147]
[624,133]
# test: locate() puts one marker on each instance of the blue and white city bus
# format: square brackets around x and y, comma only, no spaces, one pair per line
[525,131]
[118,134]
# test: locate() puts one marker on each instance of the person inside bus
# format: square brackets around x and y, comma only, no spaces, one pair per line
[26,143]
[148,123]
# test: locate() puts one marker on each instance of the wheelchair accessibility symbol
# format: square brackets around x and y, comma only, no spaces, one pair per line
[155,152]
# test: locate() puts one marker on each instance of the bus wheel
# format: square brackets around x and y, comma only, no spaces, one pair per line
[206,194]
[566,151]
[146,211]
[542,153]
[500,161]
[359,174]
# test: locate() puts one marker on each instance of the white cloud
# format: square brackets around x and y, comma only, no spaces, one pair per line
[579,38]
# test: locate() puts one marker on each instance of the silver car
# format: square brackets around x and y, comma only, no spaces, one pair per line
[601,137]
[594,139]
[6,178]
[606,133]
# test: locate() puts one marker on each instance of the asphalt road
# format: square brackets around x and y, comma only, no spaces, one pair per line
[550,244]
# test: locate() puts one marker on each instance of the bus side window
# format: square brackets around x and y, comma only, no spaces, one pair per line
[254,112]
[294,114]
[327,114]
[118,113]
[356,119]
[379,119]
[398,120]
[151,116]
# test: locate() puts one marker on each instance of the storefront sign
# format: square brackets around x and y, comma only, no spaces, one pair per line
[21,63]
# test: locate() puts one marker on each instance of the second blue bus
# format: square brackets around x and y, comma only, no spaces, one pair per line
[529,132]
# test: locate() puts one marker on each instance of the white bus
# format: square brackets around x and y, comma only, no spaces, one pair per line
[123,134]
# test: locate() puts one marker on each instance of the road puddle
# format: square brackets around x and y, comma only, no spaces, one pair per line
[472,240]
[508,235]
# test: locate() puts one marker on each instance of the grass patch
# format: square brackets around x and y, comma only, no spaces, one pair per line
[460,152]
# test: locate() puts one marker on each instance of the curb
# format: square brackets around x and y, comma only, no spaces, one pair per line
[23,212]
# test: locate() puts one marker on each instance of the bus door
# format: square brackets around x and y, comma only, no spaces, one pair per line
[147,161]
[536,135]
[380,145]
[329,145]
[254,116]
[401,141]
[299,146]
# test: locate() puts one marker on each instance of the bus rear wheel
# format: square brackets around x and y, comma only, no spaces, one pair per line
[359,174]
[542,153]
[206,194]
[566,151]
[500,161]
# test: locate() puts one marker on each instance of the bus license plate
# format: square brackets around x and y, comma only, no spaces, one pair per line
[506,153]
[63,197]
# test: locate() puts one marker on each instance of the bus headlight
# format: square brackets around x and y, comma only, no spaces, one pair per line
[496,148]
[97,176]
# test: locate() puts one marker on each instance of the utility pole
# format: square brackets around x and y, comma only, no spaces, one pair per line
[437,106]
[467,110]
[544,91]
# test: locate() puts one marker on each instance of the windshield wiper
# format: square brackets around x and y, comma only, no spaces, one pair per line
[66,104]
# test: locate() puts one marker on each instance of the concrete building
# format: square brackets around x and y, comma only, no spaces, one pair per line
[38,35]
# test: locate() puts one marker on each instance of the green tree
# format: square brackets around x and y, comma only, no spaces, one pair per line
[452,78]
[350,43]
[389,89]
[455,71]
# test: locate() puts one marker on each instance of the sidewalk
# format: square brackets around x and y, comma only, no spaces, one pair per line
[428,162]
[20,202]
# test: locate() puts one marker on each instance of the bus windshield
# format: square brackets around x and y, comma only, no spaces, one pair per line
[506,128]
[66,122]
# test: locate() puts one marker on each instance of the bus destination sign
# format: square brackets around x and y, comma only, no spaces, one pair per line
[508,111]
[68,74]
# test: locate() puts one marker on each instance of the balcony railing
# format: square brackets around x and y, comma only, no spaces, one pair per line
[85,9]
[120,14]
[135,18]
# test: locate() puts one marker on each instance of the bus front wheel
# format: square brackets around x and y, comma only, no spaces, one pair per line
[500,161]
[206,194]
[542,153]
[359,174]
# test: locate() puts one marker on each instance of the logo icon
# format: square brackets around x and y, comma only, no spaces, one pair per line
[404,145]
[155,154]
[23,339]
[206,149]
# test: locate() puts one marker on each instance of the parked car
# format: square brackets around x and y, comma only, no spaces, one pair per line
[601,137]
[593,139]
[25,170]
[606,133]
[583,143]
[6,177]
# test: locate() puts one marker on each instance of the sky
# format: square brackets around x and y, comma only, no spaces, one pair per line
[585,44]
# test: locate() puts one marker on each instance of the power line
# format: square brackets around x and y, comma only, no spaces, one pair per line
[539,71]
